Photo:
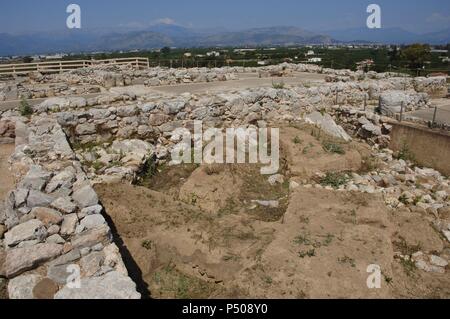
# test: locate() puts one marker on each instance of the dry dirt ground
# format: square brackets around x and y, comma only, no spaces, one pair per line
[6,184]
[195,232]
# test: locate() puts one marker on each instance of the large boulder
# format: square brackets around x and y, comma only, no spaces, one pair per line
[391,101]
[22,287]
[328,125]
[434,86]
[30,230]
[112,285]
[85,197]
[19,260]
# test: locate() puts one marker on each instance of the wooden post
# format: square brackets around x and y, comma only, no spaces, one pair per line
[401,112]
[171,63]
[365,102]
[434,117]
[60,67]
[337,98]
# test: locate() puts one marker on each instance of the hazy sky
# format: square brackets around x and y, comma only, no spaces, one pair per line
[317,15]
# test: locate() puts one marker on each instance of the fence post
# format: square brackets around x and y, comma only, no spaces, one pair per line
[365,102]
[434,117]
[401,112]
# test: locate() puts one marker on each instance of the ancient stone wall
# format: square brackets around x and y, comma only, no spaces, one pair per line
[55,229]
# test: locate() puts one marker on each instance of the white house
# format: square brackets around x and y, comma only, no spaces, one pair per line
[314,60]
[213,53]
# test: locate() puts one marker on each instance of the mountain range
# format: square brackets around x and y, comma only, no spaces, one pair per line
[171,35]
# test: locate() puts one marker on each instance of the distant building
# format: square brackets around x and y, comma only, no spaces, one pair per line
[213,54]
[309,53]
[314,60]
[58,56]
[244,50]
[438,51]
[188,55]
[263,62]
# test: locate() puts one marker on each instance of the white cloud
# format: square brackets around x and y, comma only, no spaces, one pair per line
[439,18]
[165,21]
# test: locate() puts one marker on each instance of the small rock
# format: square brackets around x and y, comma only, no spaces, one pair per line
[85,251]
[53,229]
[64,205]
[98,247]
[276,179]
[271,203]
[97,209]
[92,221]
[59,273]
[85,197]
[55,239]
[92,263]
[93,237]
[293,185]
[19,260]
[447,234]
[114,259]
[38,199]
[22,287]
[112,285]
[47,216]
[423,265]
[33,229]
[69,224]
[438,261]
[66,258]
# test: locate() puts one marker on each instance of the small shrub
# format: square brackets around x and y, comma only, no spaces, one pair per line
[213,169]
[25,108]
[334,180]
[333,148]
[347,260]
[147,244]
[408,266]
[278,86]
[309,253]
[405,153]
[297,140]
[97,165]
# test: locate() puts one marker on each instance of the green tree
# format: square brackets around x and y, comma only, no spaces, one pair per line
[394,54]
[165,50]
[27,59]
[416,55]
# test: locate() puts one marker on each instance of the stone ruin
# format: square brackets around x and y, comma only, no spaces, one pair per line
[53,219]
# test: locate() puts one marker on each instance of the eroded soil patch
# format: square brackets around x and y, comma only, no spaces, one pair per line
[197,232]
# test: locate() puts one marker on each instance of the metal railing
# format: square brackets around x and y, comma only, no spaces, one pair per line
[62,66]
